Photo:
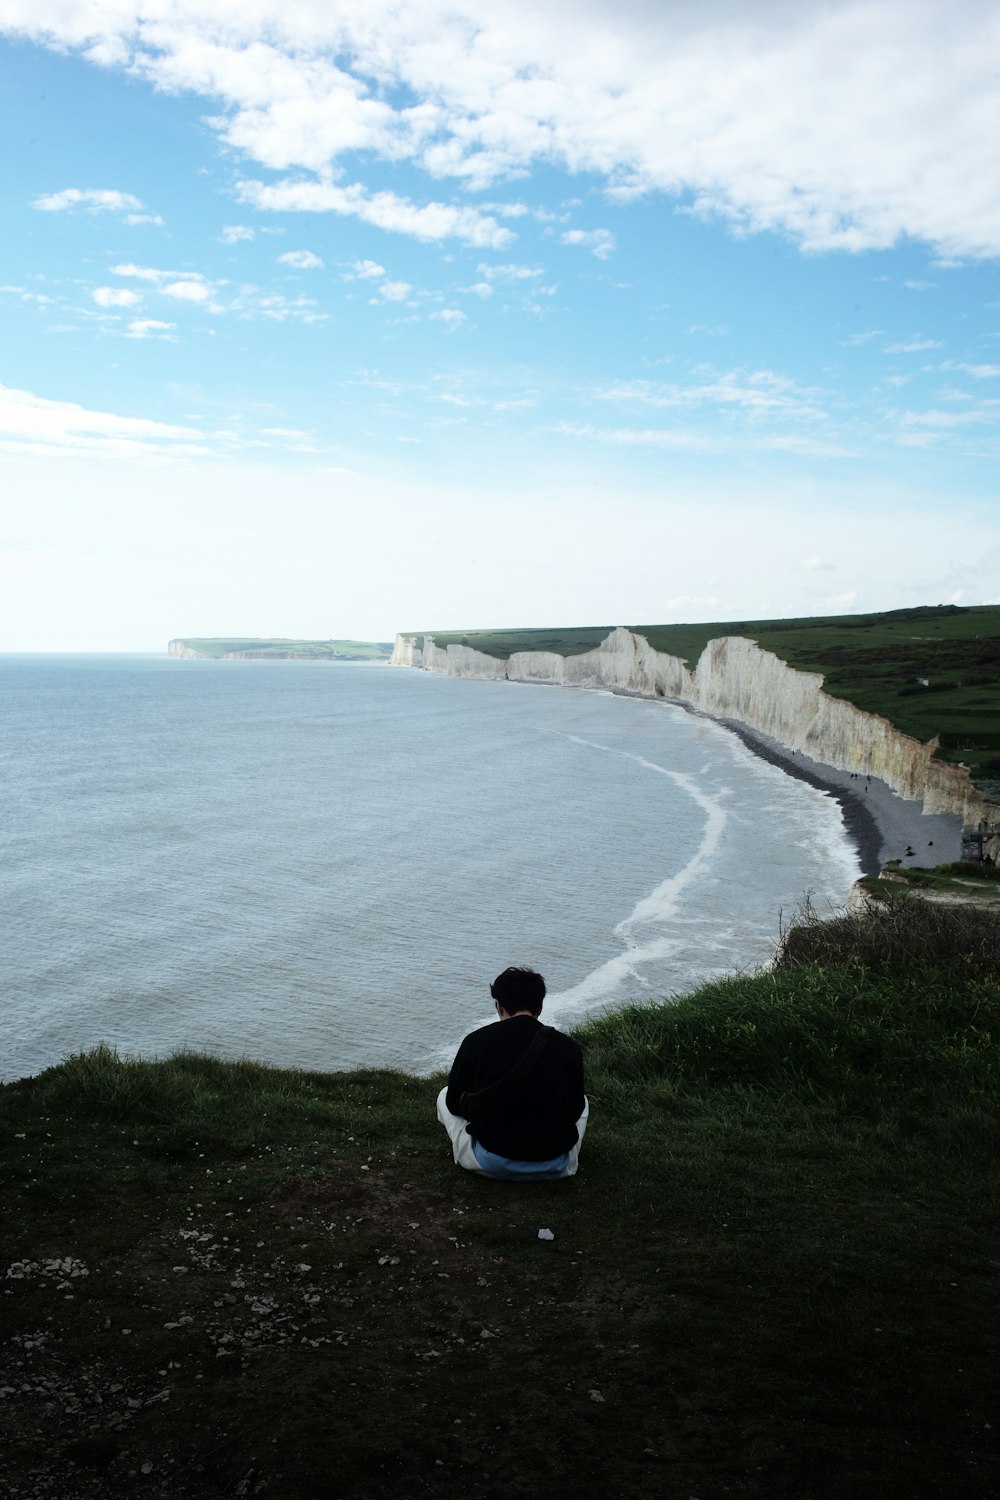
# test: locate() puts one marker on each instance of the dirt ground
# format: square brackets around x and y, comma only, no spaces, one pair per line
[362,1347]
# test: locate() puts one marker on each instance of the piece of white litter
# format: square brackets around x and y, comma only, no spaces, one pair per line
[546,1234]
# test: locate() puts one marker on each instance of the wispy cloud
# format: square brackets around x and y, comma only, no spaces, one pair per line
[190,289]
[301,260]
[234,234]
[600,242]
[858,340]
[25,294]
[367,270]
[912,346]
[151,328]
[632,437]
[386,210]
[34,424]
[978,372]
[452,317]
[836,125]
[510,272]
[757,393]
[28,421]
[115,296]
[96,201]
[395,291]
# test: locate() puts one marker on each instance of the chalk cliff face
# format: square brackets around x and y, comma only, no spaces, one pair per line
[181,648]
[735,679]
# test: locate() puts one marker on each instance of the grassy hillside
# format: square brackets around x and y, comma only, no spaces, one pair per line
[776,1275]
[280,648]
[930,671]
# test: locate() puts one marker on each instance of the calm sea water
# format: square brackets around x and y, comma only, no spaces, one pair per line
[324,865]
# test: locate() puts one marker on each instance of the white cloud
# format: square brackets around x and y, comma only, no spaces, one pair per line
[191,289]
[94,200]
[302,260]
[386,210]
[510,272]
[365,270]
[179,286]
[143,273]
[758,393]
[233,234]
[41,299]
[36,423]
[980,372]
[395,291]
[251,303]
[836,124]
[600,242]
[912,346]
[858,340]
[115,296]
[142,219]
[947,421]
[452,316]
[631,437]
[150,328]
[816,565]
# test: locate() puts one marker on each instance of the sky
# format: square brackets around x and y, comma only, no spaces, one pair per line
[347,317]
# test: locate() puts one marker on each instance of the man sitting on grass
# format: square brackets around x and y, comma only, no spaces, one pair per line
[514,1106]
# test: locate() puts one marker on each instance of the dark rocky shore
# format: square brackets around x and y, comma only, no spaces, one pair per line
[881,824]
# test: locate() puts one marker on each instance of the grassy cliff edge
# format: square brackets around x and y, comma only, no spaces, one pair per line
[775,1275]
[931,671]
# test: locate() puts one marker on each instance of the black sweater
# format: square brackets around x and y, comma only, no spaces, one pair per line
[537,1121]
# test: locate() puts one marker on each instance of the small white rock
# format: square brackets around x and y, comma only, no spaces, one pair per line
[546,1234]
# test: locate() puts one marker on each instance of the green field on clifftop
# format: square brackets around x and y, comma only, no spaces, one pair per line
[280,648]
[930,671]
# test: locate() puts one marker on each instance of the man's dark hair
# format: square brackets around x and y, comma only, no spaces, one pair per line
[519,989]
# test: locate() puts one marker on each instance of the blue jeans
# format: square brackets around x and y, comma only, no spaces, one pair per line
[474,1157]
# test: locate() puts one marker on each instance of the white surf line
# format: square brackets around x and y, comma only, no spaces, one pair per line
[659,905]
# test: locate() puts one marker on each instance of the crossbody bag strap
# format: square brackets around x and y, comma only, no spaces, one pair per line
[494,1092]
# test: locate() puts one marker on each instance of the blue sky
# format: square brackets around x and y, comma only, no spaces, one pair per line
[347,318]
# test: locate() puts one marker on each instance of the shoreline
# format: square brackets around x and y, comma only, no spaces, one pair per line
[880,823]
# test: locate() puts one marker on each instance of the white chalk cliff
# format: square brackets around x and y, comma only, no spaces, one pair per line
[735,679]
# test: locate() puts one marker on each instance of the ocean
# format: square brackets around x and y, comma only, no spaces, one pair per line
[323,865]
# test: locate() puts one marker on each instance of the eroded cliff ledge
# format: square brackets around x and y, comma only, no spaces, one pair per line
[735,679]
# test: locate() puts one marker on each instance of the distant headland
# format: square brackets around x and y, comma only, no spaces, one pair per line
[275,648]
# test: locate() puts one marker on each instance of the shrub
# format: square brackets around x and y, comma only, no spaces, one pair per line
[895,938]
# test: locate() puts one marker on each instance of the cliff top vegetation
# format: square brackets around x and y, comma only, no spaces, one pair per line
[281,648]
[775,1275]
[931,671]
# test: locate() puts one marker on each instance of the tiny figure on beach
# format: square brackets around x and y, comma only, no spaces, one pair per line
[514,1106]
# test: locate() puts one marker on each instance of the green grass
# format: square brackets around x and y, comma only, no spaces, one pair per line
[777,1267]
[281,648]
[970,882]
[879,662]
[572,641]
